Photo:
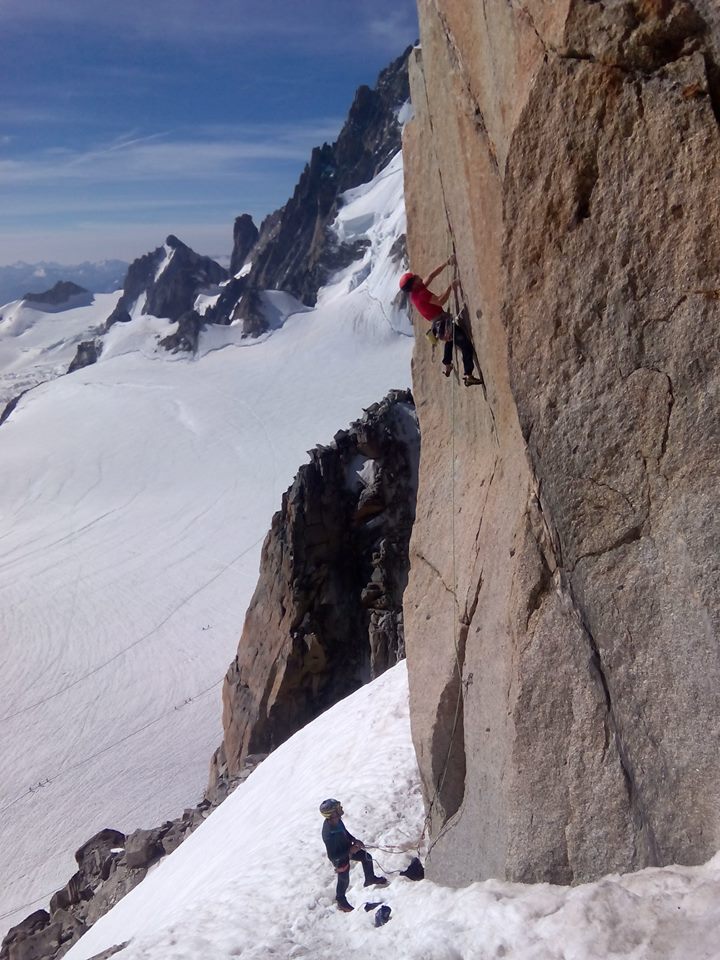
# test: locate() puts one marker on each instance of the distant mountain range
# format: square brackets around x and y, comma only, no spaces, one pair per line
[20,278]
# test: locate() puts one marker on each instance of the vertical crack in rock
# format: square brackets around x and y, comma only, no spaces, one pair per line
[448,745]
[462,75]
[644,833]
[449,731]
[666,433]
[600,231]
[541,588]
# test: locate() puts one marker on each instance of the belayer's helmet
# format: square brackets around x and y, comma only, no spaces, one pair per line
[405,280]
[329,807]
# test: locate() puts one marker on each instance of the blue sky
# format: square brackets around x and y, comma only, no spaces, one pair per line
[122,123]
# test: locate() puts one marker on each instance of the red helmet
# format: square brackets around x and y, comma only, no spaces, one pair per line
[405,280]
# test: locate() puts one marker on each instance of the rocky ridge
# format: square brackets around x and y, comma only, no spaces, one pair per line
[171,291]
[58,294]
[295,250]
[110,865]
[573,171]
[326,615]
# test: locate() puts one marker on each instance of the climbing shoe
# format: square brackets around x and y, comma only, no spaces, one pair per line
[344,906]
[447,369]
[376,882]
[469,380]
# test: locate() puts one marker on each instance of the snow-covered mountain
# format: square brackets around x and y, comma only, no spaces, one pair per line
[17,279]
[38,341]
[136,494]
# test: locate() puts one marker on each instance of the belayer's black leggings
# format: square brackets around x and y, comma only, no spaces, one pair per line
[343,879]
[465,347]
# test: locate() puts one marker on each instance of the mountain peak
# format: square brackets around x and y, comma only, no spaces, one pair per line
[60,293]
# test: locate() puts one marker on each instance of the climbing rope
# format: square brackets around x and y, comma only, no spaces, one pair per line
[458,702]
[459,300]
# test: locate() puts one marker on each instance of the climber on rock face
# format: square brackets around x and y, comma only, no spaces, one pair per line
[341,848]
[431,307]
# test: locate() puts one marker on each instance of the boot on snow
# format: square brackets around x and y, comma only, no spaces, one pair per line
[343,905]
[376,882]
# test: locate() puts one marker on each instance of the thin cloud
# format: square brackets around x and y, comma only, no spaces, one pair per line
[313,23]
[126,241]
[158,157]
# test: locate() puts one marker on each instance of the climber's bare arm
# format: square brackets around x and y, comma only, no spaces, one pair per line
[437,271]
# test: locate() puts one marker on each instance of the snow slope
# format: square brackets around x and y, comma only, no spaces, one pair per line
[134,498]
[253,881]
[38,342]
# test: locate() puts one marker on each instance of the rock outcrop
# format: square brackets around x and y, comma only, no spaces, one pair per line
[564,669]
[166,282]
[326,615]
[185,338]
[86,354]
[62,292]
[245,235]
[110,865]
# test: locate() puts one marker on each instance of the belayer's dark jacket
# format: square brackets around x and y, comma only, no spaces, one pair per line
[337,843]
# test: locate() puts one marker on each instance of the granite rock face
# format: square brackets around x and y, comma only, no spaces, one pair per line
[326,615]
[563,610]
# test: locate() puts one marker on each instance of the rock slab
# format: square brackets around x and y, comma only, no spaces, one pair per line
[563,611]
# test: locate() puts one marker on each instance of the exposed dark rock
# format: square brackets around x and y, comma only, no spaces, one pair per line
[295,251]
[93,853]
[173,292]
[119,315]
[87,353]
[225,310]
[101,277]
[250,309]
[63,291]
[144,847]
[187,273]
[110,865]
[326,615]
[10,406]
[185,338]
[139,278]
[245,235]
[35,938]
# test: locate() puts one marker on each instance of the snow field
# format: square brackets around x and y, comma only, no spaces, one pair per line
[38,343]
[136,494]
[253,881]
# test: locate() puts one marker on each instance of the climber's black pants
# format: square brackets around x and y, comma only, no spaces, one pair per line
[465,347]
[343,879]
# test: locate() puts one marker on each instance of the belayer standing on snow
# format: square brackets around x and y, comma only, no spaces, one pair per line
[430,306]
[341,848]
